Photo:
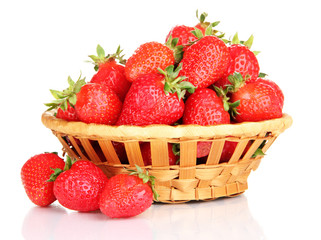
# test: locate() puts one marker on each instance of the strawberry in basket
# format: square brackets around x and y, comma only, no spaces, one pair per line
[109,72]
[254,101]
[150,56]
[155,98]
[203,108]
[88,102]
[185,33]
[206,61]
[243,61]
[65,100]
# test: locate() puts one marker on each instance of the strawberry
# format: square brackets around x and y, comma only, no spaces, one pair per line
[243,61]
[109,72]
[68,114]
[227,151]
[155,98]
[147,58]
[203,149]
[34,175]
[205,61]
[258,101]
[147,155]
[120,151]
[127,195]
[183,33]
[97,103]
[65,100]
[79,187]
[204,108]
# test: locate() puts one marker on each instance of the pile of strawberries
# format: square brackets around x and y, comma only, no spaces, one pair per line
[82,186]
[195,77]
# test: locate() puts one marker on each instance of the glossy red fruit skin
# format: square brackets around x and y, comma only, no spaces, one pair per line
[204,108]
[205,61]
[34,175]
[146,103]
[80,187]
[97,103]
[275,88]
[69,114]
[243,61]
[147,58]
[260,100]
[183,33]
[125,196]
[113,75]
[147,154]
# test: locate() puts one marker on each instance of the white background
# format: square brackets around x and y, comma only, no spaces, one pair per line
[43,42]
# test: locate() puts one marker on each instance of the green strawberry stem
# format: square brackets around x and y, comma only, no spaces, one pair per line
[175,84]
[144,175]
[67,96]
[102,58]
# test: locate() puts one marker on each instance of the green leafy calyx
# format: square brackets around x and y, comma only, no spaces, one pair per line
[58,171]
[102,58]
[174,83]
[144,175]
[248,43]
[237,81]
[67,96]
[177,49]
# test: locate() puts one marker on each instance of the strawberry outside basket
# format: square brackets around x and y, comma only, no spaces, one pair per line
[174,183]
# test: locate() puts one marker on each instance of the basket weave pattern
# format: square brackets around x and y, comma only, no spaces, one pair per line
[174,183]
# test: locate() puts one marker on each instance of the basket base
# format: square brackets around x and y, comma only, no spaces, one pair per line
[170,194]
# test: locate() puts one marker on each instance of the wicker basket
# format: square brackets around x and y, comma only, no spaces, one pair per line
[174,183]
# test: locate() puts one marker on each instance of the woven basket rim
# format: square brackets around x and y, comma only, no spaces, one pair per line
[96,131]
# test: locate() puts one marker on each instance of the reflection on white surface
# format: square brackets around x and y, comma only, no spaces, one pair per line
[227,218]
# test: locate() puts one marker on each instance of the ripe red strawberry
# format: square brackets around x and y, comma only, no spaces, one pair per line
[147,155]
[155,99]
[243,61]
[34,175]
[204,108]
[79,188]
[109,72]
[205,61]
[97,103]
[260,100]
[65,100]
[68,114]
[127,195]
[183,33]
[147,58]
